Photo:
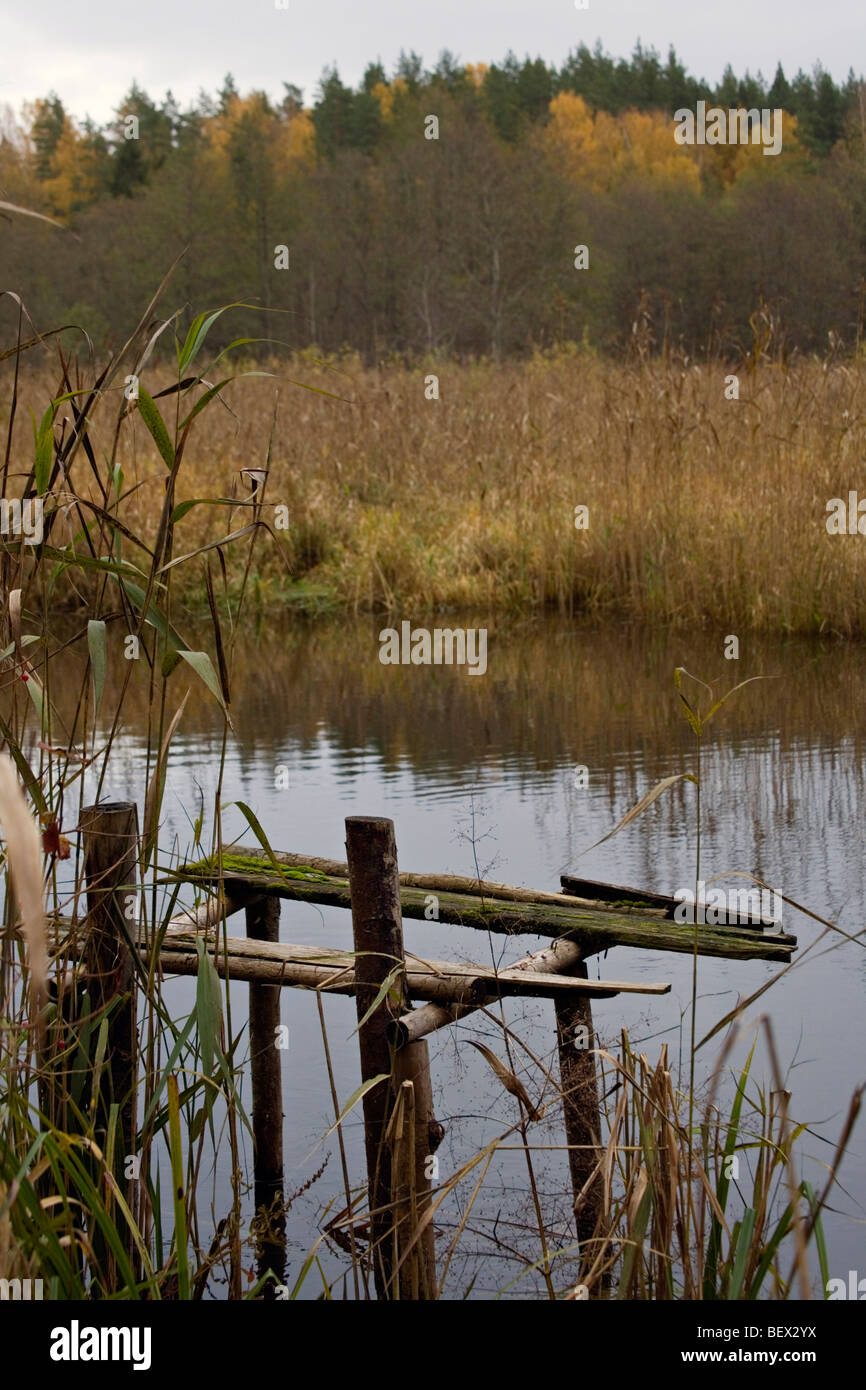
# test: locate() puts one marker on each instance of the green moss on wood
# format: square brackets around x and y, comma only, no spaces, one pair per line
[246,866]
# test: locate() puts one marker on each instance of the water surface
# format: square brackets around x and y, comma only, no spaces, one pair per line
[478,774]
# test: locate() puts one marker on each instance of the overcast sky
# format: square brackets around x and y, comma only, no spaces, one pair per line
[90,54]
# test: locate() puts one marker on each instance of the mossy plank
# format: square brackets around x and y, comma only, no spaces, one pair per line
[595,929]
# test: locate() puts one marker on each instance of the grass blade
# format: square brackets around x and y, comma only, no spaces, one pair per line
[97,647]
[177,1189]
[156,426]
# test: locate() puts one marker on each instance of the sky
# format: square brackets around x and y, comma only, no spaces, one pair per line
[91,55]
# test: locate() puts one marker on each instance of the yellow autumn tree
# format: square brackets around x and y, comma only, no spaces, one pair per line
[727,165]
[17,176]
[569,137]
[300,142]
[601,150]
[248,125]
[649,148]
[75,173]
[386,93]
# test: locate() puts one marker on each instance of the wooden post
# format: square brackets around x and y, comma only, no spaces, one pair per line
[412,1070]
[263,924]
[110,834]
[377,925]
[576,1041]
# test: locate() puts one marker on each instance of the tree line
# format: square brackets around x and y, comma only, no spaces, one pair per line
[359,221]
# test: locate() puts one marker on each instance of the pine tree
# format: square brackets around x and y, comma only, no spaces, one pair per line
[332,115]
[411,68]
[535,86]
[47,128]
[501,100]
[779,95]
[828,123]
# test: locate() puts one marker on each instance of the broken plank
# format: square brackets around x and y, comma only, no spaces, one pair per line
[633,898]
[588,890]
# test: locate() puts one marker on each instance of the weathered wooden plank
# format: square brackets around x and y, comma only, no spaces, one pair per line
[595,928]
[431,979]
[588,890]
[632,899]
[280,962]
[456,883]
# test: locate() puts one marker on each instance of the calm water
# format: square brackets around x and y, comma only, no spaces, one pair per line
[484,766]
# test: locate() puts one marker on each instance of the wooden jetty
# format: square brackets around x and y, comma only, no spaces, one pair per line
[386,980]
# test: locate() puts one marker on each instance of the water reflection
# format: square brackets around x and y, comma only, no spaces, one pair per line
[482,770]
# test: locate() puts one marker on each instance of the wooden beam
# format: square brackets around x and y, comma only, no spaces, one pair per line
[378,937]
[420,1023]
[454,883]
[208,914]
[417,1138]
[314,967]
[588,890]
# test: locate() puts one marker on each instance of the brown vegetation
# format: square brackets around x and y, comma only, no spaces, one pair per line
[701,509]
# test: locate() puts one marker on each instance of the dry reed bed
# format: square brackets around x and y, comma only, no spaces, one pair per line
[701,509]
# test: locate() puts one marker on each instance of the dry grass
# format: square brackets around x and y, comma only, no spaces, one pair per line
[701,509]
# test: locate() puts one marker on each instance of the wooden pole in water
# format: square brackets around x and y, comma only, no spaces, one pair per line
[412,1070]
[263,924]
[377,925]
[576,1041]
[110,835]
